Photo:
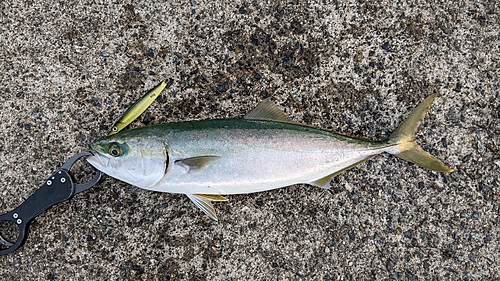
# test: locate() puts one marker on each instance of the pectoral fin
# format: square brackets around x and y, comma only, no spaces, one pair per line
[203,201]
[197,163]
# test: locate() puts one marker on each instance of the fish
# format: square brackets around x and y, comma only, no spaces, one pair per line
[209,159]
[137,109]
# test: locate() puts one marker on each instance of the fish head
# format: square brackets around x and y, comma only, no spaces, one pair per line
[141,162]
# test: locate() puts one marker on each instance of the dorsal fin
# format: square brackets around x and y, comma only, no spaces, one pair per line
[268,111]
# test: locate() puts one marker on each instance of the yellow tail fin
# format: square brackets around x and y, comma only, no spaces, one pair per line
[407,148]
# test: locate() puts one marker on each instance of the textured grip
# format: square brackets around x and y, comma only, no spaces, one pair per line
[59,187]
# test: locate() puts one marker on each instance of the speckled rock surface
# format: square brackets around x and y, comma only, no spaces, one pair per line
[69,70]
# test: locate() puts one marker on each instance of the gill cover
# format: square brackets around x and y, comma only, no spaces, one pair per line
[141,163]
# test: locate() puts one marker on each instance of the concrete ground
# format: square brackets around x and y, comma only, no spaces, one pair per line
[69,70]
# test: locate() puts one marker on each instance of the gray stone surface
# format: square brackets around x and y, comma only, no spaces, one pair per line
[68,70]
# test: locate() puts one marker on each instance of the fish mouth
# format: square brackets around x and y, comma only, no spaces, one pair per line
[92,147]
[97,160]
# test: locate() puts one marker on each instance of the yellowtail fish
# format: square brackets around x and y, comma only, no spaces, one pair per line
[263,151]
[137,109]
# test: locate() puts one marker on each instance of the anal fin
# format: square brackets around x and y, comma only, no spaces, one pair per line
[324,182]
[203,201]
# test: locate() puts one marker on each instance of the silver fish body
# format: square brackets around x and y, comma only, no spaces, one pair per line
[245,155]
[266,150]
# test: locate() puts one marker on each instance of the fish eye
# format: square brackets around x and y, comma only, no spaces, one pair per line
[115,151]
[115,129]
